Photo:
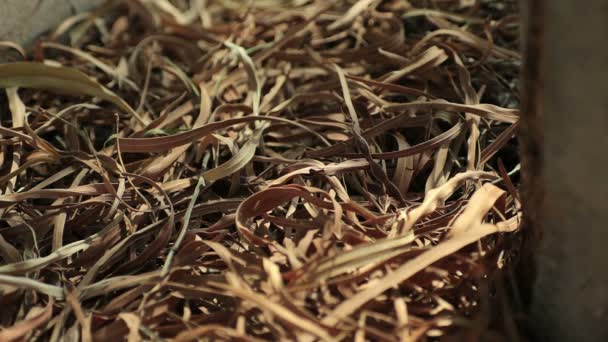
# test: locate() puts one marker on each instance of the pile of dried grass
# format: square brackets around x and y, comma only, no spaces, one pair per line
[274,169]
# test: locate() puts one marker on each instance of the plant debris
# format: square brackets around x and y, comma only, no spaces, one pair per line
[262,170]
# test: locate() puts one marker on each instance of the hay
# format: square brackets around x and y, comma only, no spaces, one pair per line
[296,170]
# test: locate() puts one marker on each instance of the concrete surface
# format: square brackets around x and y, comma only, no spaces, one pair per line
[566,157]
[23,20]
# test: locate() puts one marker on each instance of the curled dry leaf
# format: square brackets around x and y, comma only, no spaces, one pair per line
[65,79]
[36,317]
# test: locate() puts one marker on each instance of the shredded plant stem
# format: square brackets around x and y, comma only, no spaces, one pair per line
[262,170]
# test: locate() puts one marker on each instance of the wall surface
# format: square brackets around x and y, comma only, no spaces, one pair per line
[568,161]
[23,20]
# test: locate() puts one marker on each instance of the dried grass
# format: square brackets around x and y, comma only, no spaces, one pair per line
[263,170]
